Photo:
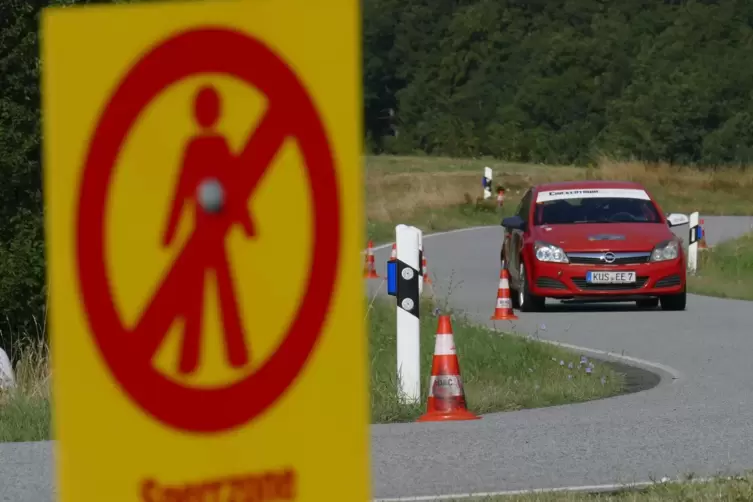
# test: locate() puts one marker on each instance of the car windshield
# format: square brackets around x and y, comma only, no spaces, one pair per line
[596,210]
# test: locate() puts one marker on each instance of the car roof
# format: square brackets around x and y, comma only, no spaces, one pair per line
[568,185]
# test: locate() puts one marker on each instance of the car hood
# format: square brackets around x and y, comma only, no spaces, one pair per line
[604,236]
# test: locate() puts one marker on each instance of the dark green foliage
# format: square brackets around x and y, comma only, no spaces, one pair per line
[22,270]
[562,81]
[22,262]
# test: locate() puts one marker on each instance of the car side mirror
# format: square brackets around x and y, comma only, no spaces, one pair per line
[514,222]
[677,219]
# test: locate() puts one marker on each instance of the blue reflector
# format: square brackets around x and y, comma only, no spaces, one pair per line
[392,278]
[699,232]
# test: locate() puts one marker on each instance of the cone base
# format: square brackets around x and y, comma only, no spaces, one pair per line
[446,416]
[504,317]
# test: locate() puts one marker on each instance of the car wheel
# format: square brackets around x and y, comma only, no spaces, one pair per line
[527,301]
[514,296]
[674,302]
[648,303]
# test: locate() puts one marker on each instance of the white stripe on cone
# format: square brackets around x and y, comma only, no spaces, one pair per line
[444,345]
[504,284]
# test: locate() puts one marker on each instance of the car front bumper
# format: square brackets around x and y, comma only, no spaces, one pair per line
[567,280]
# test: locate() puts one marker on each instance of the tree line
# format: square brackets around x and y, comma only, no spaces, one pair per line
[549,81]
[561,81]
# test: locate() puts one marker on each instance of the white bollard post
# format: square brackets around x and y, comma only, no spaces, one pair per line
[7,380]
[487,182]
[693,243]
[408,326]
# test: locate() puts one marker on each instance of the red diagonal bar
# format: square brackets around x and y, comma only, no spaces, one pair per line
[160,313]
[261,149]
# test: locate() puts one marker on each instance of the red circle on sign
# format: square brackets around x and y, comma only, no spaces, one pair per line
[232,53]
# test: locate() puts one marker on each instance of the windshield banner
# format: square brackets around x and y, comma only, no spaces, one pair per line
[592,193]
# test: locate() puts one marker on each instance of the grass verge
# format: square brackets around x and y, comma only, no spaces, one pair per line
[500,373]
[726,270]
[439,193]
[25,412]
[737,488]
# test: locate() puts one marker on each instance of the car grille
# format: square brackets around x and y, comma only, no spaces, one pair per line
[581,283]
[668,282]
[620,258]
[548,282]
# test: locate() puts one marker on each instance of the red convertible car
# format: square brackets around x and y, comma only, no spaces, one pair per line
[592,240]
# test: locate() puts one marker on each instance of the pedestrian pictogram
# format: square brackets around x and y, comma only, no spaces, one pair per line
[202,307]
[129,352]
[208,166]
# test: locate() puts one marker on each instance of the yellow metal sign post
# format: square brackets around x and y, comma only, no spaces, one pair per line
[204,223]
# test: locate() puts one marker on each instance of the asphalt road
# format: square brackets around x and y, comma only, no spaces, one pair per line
[697,420]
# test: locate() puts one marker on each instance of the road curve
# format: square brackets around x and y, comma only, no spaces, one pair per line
[696,420]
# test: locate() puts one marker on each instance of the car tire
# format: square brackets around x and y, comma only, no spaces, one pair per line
[514,297]
[648,303]
[528,302]
[674,302]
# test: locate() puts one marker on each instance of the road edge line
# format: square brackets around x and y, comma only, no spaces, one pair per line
[605,488]
[669,371]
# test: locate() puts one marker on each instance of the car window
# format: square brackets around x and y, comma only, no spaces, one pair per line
[599,206]
[525,205]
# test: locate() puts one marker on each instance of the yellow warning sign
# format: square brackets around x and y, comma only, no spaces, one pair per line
[204,223]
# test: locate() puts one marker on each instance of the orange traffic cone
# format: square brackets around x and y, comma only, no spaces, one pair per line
[503,310]
[446,399]
[369,269]
[393,256]
[425,271]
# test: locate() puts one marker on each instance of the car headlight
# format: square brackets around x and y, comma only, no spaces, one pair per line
[548,252]
[667,250]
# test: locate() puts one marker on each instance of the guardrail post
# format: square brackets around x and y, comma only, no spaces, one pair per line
[693,243]
[487,180]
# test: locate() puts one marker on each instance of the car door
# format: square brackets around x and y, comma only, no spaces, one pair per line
[515,237]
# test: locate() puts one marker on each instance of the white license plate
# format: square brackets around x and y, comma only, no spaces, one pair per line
[610,277]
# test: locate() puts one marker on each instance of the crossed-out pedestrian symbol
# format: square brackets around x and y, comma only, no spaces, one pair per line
[208,157]
[207,161]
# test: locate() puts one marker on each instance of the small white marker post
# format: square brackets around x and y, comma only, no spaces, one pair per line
[487,182]
[7,380]
[408,326]
[693,243]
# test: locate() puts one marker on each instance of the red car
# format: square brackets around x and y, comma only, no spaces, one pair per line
[592,240]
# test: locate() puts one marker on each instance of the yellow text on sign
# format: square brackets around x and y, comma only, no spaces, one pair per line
[312,443]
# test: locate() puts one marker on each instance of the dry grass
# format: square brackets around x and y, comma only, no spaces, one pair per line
[436,193]
[726,270]
[25,412]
